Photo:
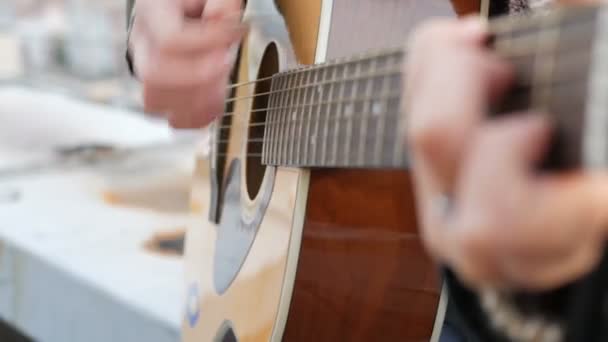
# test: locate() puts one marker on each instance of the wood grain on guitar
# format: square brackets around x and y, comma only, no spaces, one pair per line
[363,274]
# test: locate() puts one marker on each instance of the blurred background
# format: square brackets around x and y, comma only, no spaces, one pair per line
[93,193]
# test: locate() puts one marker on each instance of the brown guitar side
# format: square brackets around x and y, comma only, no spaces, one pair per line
[363,274]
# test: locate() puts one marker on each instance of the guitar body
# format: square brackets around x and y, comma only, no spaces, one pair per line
[277,253]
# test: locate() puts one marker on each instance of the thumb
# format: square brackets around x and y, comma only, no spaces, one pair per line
[193,8]
[222,8]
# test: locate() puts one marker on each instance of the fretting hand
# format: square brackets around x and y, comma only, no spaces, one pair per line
[183,51]
[505,224]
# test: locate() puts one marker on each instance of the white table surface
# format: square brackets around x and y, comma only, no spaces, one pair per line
[72,265]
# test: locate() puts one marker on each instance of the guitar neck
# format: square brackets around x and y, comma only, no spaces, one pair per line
[342,114]
[347,113]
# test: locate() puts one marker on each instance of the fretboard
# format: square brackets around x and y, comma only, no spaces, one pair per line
[347,113]
[343,114]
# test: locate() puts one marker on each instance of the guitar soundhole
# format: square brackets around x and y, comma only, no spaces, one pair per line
[226,334]
[254,169]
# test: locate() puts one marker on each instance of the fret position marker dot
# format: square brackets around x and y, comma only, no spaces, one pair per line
[377,108]
[349,110]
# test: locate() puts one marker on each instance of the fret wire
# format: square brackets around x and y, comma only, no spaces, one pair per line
[297,132]
[349,123]
[277,127]
[301,132]
[311,93]
[302,139]
[327,115]
[365,122]
[382,121]
[292,118]
[279,124]
[398,153]
[286,119]
[275,117]
[270,122]
[338,115]
[315,138]
[544,66]
[269,118]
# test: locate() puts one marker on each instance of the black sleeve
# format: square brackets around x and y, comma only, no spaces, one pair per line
[464,312]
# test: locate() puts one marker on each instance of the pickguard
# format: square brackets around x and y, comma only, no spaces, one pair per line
[237,228]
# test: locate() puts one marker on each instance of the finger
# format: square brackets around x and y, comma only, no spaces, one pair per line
[193,8]
[196,38]
[184,99]
[187,71]
[530,231]
[208,107]
[191,107]
[573,208]
[426,124]
[439,130]
[569,225]
[222,8]
[533,274]
[489,207]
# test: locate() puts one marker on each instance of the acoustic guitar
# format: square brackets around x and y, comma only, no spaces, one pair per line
[304,225]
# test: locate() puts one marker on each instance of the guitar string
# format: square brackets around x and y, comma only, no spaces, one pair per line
[330,118]
[368,76]
[326,119]
[387,72]
[522,87]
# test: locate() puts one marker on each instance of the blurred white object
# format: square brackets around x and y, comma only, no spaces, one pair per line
[39,48]
[73,262]
[7,14]
[11,66]
[34,124]
[93,46]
